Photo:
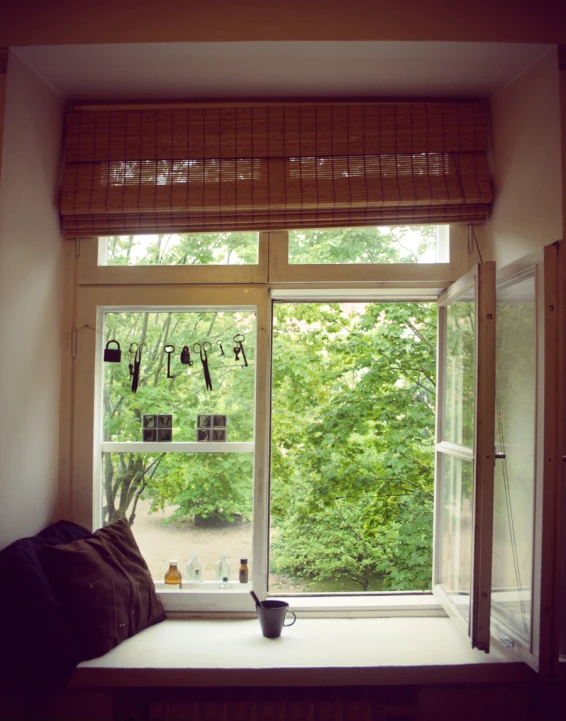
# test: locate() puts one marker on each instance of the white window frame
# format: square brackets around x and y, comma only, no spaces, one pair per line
[540,650]
[101,287]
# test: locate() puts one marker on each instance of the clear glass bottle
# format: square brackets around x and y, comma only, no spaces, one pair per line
[173,576]
[222,571]
[194,570]
[244,570]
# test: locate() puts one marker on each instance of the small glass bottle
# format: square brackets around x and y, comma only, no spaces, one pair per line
[244,570]
[222,571]
[194,570]
[173,575]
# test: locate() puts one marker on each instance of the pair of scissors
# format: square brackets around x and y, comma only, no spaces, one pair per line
[137,364]
[202,351]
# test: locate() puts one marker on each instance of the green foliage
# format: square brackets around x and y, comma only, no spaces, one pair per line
[203,484]
[352,443]
[352,415]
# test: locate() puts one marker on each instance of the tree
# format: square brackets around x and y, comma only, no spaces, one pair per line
[352,457]
[353,414]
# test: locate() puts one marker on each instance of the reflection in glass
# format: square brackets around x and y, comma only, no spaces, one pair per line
[515,437]
[456,531]
[230,248]
[184,396]
[182,503]
[460,373]
[399,244]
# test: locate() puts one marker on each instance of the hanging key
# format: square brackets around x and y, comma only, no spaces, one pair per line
[169,349]
[132,357]
[239,339]
[219,343]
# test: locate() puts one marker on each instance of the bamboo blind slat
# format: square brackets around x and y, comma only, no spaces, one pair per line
[265,167]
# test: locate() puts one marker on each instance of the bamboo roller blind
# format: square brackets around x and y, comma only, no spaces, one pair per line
[278,166]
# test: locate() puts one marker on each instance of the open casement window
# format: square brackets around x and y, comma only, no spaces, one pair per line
[527,467]
[465,450]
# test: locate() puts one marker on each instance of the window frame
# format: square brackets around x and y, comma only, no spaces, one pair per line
[482,455]
[541,650]
[96,288]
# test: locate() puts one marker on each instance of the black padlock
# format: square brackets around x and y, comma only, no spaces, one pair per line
[112,355]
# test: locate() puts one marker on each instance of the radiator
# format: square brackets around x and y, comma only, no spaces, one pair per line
[265,704]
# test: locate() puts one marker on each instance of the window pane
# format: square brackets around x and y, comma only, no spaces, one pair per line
[460,373]
[182,503]
[240,248]
[352,453]
[400,244]
[514,475]
[456,531]
[182,393]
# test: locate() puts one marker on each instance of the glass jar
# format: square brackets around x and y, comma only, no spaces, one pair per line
[222,571]
[244,570]
[173,575]
[194,570]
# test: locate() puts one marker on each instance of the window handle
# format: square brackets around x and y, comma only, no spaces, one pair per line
[500,456]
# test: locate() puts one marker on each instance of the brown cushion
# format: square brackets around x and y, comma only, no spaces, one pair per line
[105,587]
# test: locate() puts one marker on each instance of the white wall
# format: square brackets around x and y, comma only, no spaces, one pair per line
[30,304]
[527,165]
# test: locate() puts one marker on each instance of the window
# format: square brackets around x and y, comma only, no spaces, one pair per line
[179,249]
[352,447]
[400,244]
[313,335]
[185,438]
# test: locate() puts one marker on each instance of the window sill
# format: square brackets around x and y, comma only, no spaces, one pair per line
[313,652]
[208,599]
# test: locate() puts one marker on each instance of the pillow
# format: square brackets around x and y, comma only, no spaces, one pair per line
[105,587]
[37,652]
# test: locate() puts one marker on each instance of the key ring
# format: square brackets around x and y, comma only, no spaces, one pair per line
[239,339]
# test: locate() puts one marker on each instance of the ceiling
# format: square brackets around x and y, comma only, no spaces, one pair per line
[252,70]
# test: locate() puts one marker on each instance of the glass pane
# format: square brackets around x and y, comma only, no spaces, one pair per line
[456,530]
[399,244]
[180,392]
[352,452]
[460,372]
[182,503]
[239,248]
[515,437]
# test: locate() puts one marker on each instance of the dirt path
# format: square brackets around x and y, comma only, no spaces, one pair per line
[160,543]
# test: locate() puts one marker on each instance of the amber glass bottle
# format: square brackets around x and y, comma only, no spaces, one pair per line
[244,571]
[173,575]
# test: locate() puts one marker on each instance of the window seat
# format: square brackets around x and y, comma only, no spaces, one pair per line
[313,652]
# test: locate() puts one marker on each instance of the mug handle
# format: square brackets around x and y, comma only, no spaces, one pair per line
[294,618]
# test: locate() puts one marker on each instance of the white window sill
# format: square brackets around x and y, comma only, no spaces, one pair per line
[202,599]
[317,652]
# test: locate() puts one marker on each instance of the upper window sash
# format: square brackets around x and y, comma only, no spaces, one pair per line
[274,267]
